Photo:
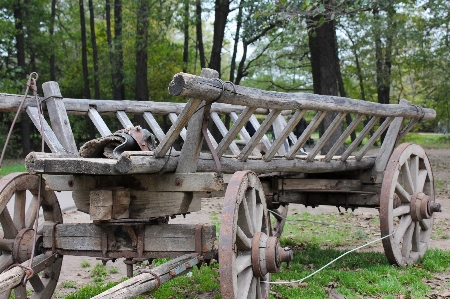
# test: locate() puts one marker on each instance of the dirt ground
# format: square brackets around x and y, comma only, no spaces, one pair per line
[440,159]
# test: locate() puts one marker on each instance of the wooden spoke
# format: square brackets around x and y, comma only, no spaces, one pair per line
[401,210]
[243,261]
[31,212]
[416,237]
[421,178]
[6,260]
[402,194]
[37,284]
[407,238]
[19,209]
[244,216]
[20,292]
[414,168]
[9,229]
[244,283]
[407,179]
[407,173]
[279,220]
[243,242]
[401,229]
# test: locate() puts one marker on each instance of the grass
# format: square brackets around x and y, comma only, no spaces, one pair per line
[428,140]
[10,167]
[70,284]
[85,264]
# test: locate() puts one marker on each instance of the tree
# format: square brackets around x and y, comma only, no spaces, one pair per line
[87,91]
[94,50]
[141,45]
[199,33]
[221,11]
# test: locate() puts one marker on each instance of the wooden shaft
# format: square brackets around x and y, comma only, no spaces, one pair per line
[374,137]
[99,122]
[154,126]
[224,131]
[145,282]
[244,134]
[13,277]
[187,85]
[123,118]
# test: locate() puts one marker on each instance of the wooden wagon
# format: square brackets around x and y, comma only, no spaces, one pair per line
[132,195]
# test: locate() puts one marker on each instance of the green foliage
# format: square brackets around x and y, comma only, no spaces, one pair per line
[85,264]
[70,284]
[7,169]
[90,291]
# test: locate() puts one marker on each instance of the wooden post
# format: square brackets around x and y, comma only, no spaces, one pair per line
[58,116]
[194,138]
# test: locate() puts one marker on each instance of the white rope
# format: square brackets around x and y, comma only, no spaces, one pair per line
[317,271]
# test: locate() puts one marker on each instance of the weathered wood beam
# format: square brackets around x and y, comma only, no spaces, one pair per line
[187,85]
[146,281]
[145,162]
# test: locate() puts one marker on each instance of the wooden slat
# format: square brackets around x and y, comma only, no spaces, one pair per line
[154,126]
[58,116]
[239,123]
[244,133]
[374,138]
[343,137]
[50,138]
[287,132]
[123,118]
[194,138]
[173,118]
[326,135]
[277,131]
[315,122]
[176,128]
[98,122]
[259,134]
[224,131]
[359,138]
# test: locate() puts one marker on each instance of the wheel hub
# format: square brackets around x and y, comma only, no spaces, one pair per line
[267,254]
[23,245]
[422,207]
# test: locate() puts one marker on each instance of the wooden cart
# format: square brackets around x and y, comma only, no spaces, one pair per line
[131,197]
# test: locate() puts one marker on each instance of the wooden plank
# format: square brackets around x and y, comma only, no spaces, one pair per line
[98,122]
[50,138]
[187,85]
[326,135]
[278,127]
[355,122]
[259,134]
[58,116]
[330,199]
[194,139]
[315,122]
[173,118]
[162,238]
[224,131]
[123,118]
[318,184]
[179,182]
[374,138]
[176,128]
[287,132]
[243,131]
[359,138]
[154,126]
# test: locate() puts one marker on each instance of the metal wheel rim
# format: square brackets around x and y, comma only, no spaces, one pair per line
[411,238]
[244,197]
[13,221]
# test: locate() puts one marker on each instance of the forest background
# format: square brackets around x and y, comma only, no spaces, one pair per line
[379,51]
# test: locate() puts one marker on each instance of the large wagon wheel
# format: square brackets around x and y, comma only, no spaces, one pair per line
[18,230]
[407,204]
[246,252]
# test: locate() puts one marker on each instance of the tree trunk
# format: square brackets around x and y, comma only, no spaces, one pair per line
[52,31]
[198,27]
[118,86]
[383,62]
[20,48]
[236,42]
[86,90]
[94,51]
[186,36]
[221,11]
[323,50]
[141,87]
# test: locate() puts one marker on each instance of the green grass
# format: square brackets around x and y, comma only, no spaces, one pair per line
[10,168]
[70,284]
[85,264]
[428,140]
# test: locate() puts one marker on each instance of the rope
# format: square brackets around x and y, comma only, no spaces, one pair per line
[317,271]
